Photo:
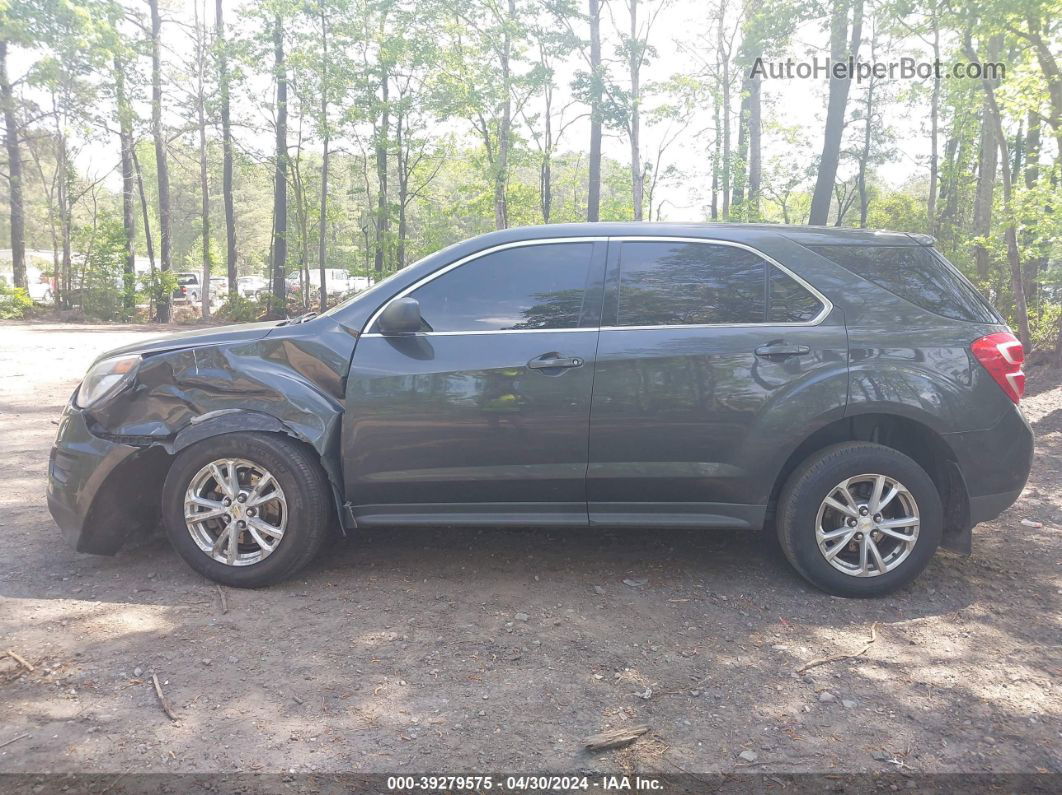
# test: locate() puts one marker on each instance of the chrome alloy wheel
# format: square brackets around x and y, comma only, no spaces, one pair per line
[235,511]
[867,525]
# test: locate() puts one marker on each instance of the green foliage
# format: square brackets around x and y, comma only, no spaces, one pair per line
[15,302]
[238,309]
[107,293]
[157,286]
[902,212]
[1044,324]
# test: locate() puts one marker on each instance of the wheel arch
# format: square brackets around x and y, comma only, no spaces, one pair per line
[915,439]
[225,421]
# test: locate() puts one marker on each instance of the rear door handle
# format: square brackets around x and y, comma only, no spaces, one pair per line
[554,361]
[781,350]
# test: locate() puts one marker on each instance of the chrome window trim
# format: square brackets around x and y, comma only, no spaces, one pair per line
[827,305]
[477,255]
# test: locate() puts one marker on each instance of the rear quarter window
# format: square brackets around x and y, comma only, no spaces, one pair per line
[918,274]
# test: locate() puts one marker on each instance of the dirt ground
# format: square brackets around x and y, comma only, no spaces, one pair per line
[467,650]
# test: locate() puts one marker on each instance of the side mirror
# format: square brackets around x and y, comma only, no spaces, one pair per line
[401,316]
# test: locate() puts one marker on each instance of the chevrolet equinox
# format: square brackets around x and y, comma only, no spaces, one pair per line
[849,389]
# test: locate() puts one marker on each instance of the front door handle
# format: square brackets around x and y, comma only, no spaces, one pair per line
[781,350]
[554,361]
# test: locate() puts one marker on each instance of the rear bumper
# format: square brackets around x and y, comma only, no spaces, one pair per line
[989,506]
[995,464]
[99,491]
[995,461]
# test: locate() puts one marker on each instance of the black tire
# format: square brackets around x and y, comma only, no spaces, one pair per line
[814,480]
[299,474]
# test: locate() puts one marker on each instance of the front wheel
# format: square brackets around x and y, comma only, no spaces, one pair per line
[246,509]
[859,519]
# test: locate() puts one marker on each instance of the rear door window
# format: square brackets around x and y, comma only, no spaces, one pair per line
[679,283]
[666,283]
[788,301]
[918,274]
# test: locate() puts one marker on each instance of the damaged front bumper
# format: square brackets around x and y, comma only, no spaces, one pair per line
[99,491]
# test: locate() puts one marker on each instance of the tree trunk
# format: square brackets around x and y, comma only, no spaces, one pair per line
[280,178]
[955,153]
[14,174]
[717,148]
[383,221]
[301,213]
[637,185]
[546,170]
[204,184]
[724,89]
[740,173]
[836,105]
[986,177]
[322,225]
[934,131]
[593,195]
[1049,66]
[501,167]
[125,141]
[160,154]
[149,244]
[402,158]
[322,240]
[1010,230]
[1036,261]
[864,157]
[65,213]
[755,147]
[226,149]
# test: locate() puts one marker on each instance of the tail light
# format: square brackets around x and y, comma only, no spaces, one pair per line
[1002,355]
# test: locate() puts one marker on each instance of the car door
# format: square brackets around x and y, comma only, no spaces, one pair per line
[711,360]
[484,416]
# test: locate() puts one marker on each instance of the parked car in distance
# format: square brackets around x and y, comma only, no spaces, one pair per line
[337,282]
[189,288]
[219,290]
[849,389]
[38,286]
[251,286]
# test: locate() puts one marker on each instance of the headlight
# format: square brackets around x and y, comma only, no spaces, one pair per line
[105,378]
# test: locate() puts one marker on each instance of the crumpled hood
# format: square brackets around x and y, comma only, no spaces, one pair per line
[244,332]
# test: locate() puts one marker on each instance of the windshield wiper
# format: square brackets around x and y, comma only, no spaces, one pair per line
[294,321]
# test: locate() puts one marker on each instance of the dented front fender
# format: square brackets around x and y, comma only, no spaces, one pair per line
[291,380]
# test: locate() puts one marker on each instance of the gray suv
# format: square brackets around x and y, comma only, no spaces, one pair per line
[849,389]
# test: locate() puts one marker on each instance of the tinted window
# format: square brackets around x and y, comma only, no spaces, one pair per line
[532,287]
[673,284]
[918,274]
[789,301]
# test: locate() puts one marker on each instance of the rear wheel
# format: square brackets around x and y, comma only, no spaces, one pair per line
[246,509]
[859,519]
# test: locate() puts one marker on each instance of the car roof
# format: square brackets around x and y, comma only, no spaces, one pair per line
[735,232]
